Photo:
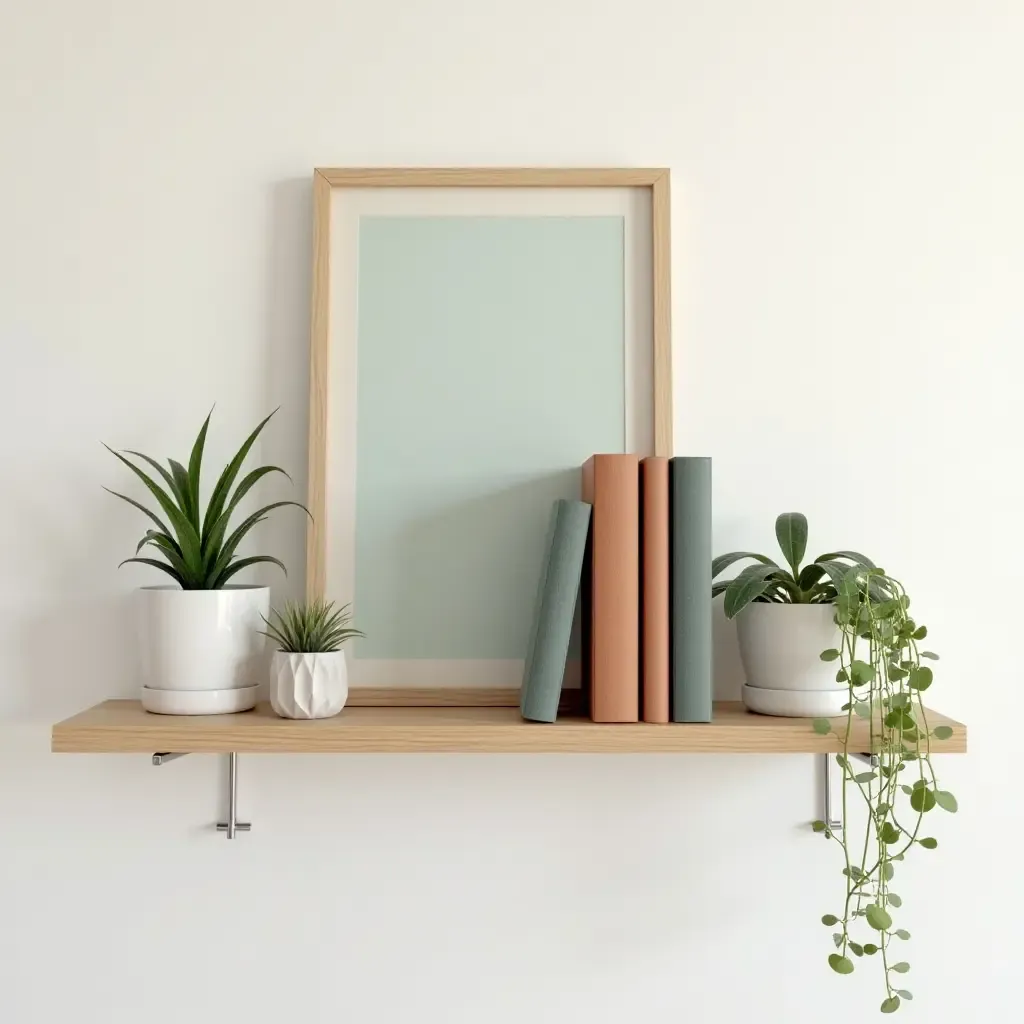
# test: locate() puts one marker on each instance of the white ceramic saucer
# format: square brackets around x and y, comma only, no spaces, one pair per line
[199,702]
[795,703]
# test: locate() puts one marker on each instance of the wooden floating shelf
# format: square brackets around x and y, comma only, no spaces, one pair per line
[367,726]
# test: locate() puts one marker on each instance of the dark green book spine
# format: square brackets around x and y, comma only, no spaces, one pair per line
[690,615]
[553,610]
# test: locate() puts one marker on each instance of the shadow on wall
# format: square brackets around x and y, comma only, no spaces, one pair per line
[286,291]
[728,671]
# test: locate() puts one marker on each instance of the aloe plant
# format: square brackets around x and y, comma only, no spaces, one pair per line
[316,627]
[197,550]
[818,582]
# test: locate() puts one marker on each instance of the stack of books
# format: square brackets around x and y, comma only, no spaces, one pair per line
[637,551]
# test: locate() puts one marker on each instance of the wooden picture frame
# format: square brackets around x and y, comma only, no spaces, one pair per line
[327,182]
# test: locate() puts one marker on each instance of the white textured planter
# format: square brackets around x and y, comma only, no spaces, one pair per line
[202,639]
[308,685]
[781,645]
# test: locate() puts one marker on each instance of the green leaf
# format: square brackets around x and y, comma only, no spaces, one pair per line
[830,655]
[928,843]
[902,933]
[722,562]
[904,994]
[183,493]
[195,463]
[142,508]
[861,672]
[901,968]
[920,678]
[946,800]
[888,871]
[750,584]
[219,528]
[906,789]
[841,676]
[890,1005]
[837,939]
[862,710]
[840,964]
[830,919]
[227,478]
[922,800]
[942,732]
[889,833]
[900,700]
[856,948]
[822,726]
[850,556]
[870,948]
[895,900]
[920,633]
[244,563]
[878,918]
[863,777]
[930,655]
[187,537]
[791,533]
[818,826]
[162,566]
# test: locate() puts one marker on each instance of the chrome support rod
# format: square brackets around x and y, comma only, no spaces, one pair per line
[233,825]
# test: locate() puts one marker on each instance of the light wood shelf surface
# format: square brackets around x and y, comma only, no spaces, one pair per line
[122,727]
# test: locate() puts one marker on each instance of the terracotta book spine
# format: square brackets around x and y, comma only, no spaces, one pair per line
[654,588]
[611,642]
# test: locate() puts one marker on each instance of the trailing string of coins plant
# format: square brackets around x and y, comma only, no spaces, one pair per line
[880,659]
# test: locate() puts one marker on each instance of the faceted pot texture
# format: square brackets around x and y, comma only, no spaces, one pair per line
[308,685]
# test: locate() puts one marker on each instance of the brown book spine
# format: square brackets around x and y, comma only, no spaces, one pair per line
[654,588]
[611,483]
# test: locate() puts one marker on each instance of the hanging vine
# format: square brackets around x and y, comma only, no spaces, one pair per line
[880,660]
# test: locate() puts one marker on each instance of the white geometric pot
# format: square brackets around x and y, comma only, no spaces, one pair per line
[781,645]
[202,639]
[308,685]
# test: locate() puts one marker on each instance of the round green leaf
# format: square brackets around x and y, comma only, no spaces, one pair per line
[922,800]
[857,949]
[841,676]
[920,678]
[907,790]
[902,933]
[822,726]
[878,918]
[818,826]
[921,632]
[830,919]
[862,710]
[901,968]
[840,964]
[928,843]
[870,948]
[930,655]
[890,1005]
[830,655]
[888,871]
[861,672]
[904,994]
[942,732]
[895,900]
[946,800]
[889,834]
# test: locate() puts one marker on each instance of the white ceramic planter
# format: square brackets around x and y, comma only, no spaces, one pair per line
[308,685]
[203,639]
[780,647]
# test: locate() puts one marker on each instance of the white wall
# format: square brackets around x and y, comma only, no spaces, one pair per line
[848,256]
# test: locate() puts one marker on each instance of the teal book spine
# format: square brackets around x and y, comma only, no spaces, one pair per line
[690,588]
[554,609]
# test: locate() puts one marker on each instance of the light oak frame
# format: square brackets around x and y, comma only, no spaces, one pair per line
[325,180]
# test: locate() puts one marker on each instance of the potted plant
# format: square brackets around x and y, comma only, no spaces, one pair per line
[881,666]
[308,675]
[201,642]
[785,617]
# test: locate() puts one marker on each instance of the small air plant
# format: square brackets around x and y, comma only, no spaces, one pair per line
[313,627]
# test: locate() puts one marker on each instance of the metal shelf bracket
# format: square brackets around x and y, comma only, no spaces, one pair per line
[232,825]
[827,760]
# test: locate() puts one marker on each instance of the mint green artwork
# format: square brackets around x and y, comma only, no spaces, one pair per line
[491,364]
